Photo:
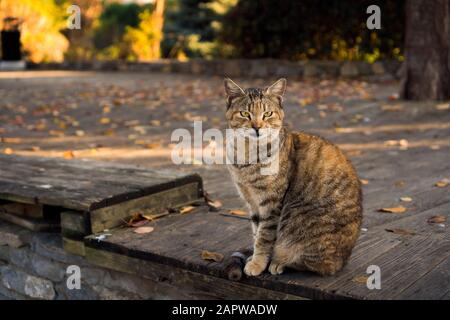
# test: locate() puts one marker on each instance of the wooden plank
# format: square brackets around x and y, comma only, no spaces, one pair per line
[435,285]
[38,225]
[74,246]
[80,185]
[23,209]
[115,215]
[75,224]
[197,286]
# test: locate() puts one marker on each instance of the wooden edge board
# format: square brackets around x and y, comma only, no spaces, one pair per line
[37,225]
[216,270]
[113,216]
[145,191]
[197,284]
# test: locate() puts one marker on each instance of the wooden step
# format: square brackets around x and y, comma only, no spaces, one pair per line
[86,196]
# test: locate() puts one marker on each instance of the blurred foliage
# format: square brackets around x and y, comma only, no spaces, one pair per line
[110,32]
[82,41]
[192,28]
[41,22]
[313,29]
[285,29]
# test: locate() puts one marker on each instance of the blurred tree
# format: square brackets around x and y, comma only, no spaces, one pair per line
[81,41]
[41,22]
[109,33]
[427,50]
[192,27]
[145,40]
[313,29]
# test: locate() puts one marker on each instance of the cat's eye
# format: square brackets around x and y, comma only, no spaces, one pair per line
[268,114]
[245,114]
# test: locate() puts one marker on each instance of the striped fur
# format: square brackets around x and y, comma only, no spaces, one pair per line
[308,215]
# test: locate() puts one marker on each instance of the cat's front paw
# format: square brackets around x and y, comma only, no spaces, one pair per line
[276,268]
[255,267]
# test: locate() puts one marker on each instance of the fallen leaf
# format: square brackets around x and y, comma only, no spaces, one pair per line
[443,106]
[364,181]
[238,212]
[141,230]
[211,256]
[68,154]
[214,205]
[137,220]
[437,219]
[105,120]
[399,209]
[406,199]
[186,209]
[402,232]
[8,151]
[399,184]
[442,183]
[360,279]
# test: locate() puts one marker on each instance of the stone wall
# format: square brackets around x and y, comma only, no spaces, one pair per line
[243,68]
[33,266]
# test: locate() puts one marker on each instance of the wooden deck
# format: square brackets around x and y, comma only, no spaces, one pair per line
[414,265]
[401,149]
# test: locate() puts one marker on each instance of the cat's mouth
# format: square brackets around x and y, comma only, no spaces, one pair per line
[252,133]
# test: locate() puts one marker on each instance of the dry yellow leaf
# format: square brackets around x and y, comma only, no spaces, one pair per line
[68,154]
[8,151]
[141,230]
[437,219]
[399,209]
[443,183]
[406,199]
[238,212]
[216,204]
[364,181]
[211,256]
[105,120]
[360,279]
[186,209]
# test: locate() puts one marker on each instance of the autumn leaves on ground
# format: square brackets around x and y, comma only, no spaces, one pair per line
[129,117]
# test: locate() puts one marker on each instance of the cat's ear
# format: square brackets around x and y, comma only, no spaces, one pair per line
[278,88]
[232,89]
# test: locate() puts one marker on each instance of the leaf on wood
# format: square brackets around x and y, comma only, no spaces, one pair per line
[142,230]
[238,212]
[442,183]
[437,219]
[214,205]
[211,256]
[137,220]
[360,279]
[402,232]
[186,209]
[364,181]
[8,151]
[68,154]
[399,209]
[399,184]
[406,199]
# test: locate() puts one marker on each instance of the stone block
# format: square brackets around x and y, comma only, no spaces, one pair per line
[25,284]
[47,268]
[349,69]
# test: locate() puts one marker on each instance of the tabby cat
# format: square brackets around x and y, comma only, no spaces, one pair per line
[307,215]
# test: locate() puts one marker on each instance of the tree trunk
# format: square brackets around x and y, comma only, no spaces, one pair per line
[427,64]
[158,16]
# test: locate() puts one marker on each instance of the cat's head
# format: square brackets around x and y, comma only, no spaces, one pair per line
[255,108]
